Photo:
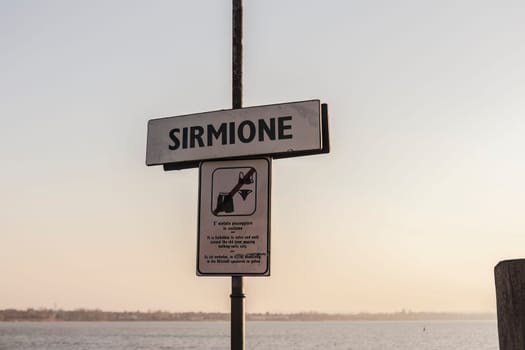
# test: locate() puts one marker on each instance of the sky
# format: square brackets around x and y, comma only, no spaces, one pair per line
[421,196]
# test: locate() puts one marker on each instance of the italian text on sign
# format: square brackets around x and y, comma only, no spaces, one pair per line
[280,129]
[233,234]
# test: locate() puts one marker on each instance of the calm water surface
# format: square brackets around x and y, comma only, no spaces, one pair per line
[354,335]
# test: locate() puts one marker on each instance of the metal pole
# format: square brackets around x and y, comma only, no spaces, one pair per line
[237,296]
[237,54]
[237,314]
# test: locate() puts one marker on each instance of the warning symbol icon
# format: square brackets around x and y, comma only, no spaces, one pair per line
[234,191]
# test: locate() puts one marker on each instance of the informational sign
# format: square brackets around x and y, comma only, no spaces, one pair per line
[279,130]
[234,217]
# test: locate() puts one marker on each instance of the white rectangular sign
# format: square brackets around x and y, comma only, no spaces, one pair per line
[234,212]
[280,129]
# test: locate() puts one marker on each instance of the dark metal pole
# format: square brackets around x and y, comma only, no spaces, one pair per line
[237,296]
[237,314]
[237,54]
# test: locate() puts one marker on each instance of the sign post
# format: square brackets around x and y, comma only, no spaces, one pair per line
[237,296]
[234,149]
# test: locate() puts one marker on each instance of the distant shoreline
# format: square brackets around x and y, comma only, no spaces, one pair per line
[50,315]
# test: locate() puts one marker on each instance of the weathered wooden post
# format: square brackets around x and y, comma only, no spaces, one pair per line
[510,298]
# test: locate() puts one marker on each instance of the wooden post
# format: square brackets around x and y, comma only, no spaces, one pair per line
[510,298]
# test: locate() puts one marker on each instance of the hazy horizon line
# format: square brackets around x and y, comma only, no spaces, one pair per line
[314,312]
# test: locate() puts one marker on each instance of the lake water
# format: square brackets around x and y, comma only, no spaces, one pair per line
[352,335]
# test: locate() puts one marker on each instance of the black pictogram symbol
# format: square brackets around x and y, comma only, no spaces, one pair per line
[225,202]
[244,193]
[245,180]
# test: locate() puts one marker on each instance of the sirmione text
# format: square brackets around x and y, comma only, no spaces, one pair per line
[261,130]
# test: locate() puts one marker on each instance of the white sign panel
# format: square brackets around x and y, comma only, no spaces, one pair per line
[234,210]
[279,129]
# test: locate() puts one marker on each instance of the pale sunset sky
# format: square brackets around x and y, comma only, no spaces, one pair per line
[422,194]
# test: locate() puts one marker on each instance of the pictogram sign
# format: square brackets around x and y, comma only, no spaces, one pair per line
[234,232]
